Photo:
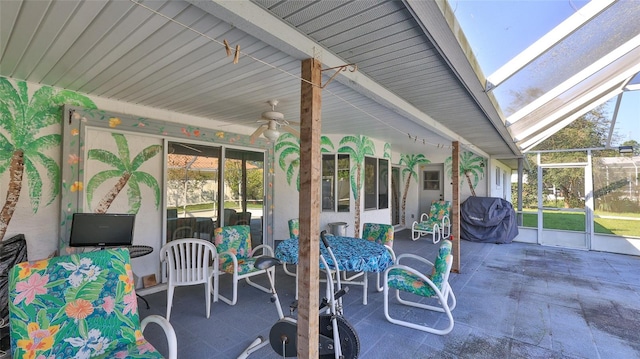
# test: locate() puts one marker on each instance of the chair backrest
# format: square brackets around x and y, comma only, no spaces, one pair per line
[243,218]
[442,264]
[229,216]
[182,232]
[294,228]
[439,209]
[81,305]
[188,260]
[379,233]
[236,239]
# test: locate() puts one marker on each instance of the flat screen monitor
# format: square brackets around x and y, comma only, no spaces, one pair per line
[101,229]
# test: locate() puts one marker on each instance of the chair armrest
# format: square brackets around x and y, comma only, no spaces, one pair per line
[233,258]
[424,217]
[413,257]
[415,272]
[391,252]
[172,341]
[267,250]
[445,219]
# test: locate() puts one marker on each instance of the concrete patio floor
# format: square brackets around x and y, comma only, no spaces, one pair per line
[514,301]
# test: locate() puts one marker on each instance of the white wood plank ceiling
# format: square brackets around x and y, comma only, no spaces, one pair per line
[169,55]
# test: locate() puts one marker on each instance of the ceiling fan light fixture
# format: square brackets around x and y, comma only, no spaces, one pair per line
[271,134]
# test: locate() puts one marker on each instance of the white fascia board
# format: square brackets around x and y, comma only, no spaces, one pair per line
[261,24]
[630,49]
[547,41]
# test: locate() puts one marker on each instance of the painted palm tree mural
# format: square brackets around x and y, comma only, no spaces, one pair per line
[126,171]
[23,145]
[288,146]
[410,162]
[471,165]
[357,147]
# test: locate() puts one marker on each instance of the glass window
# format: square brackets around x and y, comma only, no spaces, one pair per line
[431,180]
[370,183]
[376,181]
[383,184]
[335,183]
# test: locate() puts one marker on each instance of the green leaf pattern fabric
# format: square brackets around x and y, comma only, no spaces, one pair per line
[438,210]
[77,306]
[409,282]
[294,228]
[236,240]
[379,233]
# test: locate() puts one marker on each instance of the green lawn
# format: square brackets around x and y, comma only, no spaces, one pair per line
[575,222]
[209,206]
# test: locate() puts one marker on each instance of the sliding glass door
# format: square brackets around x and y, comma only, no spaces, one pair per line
[202,194]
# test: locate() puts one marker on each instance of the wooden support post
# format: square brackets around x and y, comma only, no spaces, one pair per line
[455,205]
[309,239]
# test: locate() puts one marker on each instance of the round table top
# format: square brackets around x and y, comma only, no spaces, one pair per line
[352,254]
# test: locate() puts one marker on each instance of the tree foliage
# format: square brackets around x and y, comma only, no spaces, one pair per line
[588,131]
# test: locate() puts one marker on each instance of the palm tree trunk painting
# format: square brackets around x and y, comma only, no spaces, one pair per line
[471,187]
[404,198]
[23,120]
[410,162]
[395,200]
[108,198]
[16,170]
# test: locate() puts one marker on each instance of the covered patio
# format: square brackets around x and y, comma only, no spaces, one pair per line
[397,92]
[515,300]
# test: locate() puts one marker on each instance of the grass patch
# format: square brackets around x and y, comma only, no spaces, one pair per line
[210,207]
[575,222]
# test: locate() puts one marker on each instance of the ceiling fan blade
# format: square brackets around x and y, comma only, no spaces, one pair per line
[291,130]
[295,123]
[258,132]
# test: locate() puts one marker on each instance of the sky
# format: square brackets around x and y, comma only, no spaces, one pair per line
[498,30]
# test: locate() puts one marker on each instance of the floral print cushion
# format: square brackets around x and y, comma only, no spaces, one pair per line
[379,233]
[439,209]
[76,306]
[405,281]
[236,240]
[294,228]
[426,226]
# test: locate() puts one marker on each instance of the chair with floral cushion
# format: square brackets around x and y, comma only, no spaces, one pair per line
[80,306]
[236,257]
[435,286]
[436,222]
[294,228]
[294,232]
[383,235]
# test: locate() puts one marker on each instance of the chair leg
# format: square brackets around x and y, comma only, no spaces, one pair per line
[234,298]
[379,287]
[365,288]
[207,295]
[170,289]
[444,309]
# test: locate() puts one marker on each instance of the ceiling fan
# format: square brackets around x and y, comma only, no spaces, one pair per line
[272,122]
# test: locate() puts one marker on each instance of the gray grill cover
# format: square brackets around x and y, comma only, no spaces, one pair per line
[488,219]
